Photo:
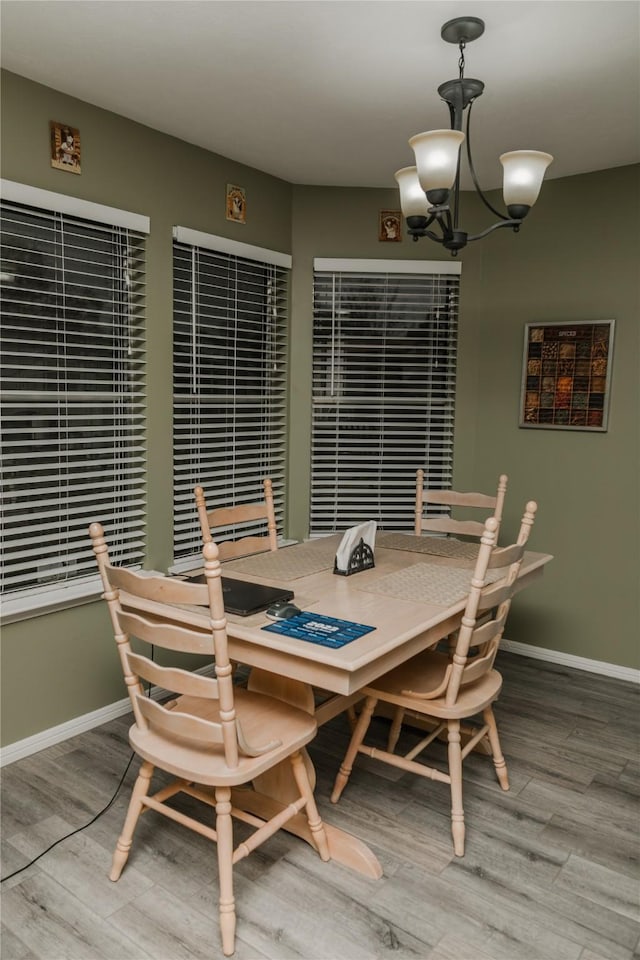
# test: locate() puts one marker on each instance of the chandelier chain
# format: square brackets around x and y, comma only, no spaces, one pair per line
[461,60]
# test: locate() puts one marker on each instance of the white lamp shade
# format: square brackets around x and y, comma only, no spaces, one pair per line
[523,175]
[412,197]
[436,155]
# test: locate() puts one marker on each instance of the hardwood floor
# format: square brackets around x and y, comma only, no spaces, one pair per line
[550,871]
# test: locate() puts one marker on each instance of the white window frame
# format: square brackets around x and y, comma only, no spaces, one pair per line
[382,405]
[46,597]
[200,315]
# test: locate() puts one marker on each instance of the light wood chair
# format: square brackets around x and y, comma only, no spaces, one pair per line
[447,691]
[239,516]
[210,736]
[426,523]
[425,499]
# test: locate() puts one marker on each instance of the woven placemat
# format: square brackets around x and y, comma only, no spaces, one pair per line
[289,563]
[436,546]
[427,583]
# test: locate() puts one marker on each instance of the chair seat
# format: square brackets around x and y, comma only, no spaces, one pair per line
[426,672]
[263,720]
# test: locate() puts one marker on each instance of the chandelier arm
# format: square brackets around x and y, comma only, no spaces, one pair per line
[434,236]
[515,224]
[456,197]
[419,231]
[475,178]
[443,219]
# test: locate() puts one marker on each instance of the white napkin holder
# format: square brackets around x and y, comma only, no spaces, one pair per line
[355,552]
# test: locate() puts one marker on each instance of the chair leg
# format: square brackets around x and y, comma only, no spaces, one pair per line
[498,760]
[123,846]
[394,730]
[358,736]
[352,718]
[224,830]
[455,774]
[315,823]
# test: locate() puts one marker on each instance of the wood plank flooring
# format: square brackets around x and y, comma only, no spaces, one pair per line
[551,869]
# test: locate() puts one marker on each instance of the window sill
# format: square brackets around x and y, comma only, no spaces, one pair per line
[49,601]
[52,600]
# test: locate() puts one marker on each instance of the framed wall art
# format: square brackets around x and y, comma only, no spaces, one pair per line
[236,203]
[65,147]
[390,226]
[566,375]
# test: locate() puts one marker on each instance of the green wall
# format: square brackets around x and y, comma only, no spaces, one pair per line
[132,167]
[576,259]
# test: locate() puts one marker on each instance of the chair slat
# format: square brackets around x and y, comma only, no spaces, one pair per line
[488,630]
[506,556]
[494,595]
[227,516]
[154,610]
[178,724]
[157,588]
[174,678]
[169,636]
[246,546]
[454,499]
[466,528]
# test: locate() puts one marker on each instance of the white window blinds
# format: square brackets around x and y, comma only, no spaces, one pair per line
[72,392]
[384,368]
[230,328]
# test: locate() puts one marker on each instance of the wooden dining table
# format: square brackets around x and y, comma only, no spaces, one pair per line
[413,597]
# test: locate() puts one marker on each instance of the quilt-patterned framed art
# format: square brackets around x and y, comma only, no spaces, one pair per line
[566,375]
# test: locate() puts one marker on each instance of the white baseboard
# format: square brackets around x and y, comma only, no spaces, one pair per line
[40,741]
[570,660]
[64,731]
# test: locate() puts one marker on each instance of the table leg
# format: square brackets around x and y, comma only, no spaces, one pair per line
[276,788]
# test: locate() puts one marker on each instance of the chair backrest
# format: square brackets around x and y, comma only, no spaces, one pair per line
[450,498]
[151,608]
[240,515]
[475,630]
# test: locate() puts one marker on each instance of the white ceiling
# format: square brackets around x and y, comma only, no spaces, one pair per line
[328,92]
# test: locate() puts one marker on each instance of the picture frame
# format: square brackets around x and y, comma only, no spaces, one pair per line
[566,375]
[390,226]
[236,205]
[65,147]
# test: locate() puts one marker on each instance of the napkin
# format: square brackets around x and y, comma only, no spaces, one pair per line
[365,531]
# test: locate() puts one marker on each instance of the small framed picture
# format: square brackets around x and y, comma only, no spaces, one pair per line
[65,147]
[390,226]
[236,203]
[566,375]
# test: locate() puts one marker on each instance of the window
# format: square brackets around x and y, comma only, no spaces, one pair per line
[72,393]
[384,366]
[230,328]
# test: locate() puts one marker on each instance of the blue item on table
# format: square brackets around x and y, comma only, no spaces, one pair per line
[320,629]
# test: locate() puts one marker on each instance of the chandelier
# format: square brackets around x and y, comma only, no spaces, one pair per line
[430,191]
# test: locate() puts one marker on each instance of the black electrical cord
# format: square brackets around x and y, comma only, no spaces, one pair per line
[73,832]
[93,819]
